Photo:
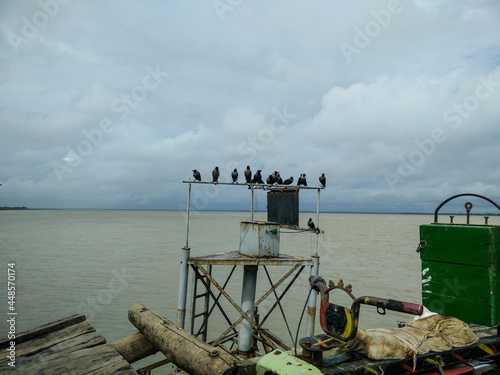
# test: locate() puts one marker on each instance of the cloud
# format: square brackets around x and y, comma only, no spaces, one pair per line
[408,117]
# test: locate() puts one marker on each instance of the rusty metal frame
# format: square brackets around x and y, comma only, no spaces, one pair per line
[216,299]
[244,314]
[278,301]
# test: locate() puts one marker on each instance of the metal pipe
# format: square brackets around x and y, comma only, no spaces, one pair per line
[184,272]
[311,306]
[248,290]
[317,225]
[187,215]
[251,207]
[183,285]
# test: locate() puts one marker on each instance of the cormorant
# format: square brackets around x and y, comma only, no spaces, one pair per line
[248,174]
[234,175]
[196,175]
[215,174]
[322,180]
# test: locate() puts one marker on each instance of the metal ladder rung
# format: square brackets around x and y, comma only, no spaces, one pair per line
[206,296]
[200,314]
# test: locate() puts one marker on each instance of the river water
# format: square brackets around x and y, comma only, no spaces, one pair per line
[102,262]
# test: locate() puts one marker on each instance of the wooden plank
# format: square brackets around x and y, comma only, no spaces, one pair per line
[44,329]
[33,364]
[72,362]
[119,367]
[41,343]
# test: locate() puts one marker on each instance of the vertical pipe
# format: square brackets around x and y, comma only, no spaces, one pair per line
[184,271]
[311,307]
[251,207]
[247,300]
[187,215]
[317,225]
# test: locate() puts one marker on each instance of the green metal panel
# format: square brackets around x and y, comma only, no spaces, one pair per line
[463,244]
[460,266]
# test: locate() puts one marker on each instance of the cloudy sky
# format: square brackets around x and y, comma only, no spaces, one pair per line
[111,104]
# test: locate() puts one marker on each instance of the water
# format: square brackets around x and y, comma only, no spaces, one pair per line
[102,262]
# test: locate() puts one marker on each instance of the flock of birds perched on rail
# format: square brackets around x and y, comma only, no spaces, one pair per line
[273,178]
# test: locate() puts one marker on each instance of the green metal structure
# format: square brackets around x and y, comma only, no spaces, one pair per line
[460,269]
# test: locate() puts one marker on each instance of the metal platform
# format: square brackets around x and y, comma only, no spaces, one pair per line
[236,258]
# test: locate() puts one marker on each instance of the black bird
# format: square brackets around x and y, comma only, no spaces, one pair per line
[288,181]
[234,175]
[248,174]
[257,178]
[196,175]
[280,180]
[273,178]
[302,180]
[311,224]
[322,180]
[215,174]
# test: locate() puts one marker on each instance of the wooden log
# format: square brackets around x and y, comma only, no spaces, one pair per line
[134,347]
[186,351]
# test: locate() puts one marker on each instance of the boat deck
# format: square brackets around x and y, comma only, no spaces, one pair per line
[67,346]
[487,348]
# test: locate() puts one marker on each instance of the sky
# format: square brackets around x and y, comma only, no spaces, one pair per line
[112,104]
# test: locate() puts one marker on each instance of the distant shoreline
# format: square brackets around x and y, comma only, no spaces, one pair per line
[304,212]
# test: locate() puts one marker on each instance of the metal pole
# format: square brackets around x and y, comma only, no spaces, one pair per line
[311,306]
[247,301]
[317,225]
[183,278]
[311,309]
[251,207]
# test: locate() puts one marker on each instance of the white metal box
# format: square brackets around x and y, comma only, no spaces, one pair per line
[260,239]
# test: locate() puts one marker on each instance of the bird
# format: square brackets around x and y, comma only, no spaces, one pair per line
[311,224]
[257,178]
[280,180]
[196,175]
[215,174]
[248,174]
[288,181]
[234,175]
[302,180]
[322,180]
[273,178]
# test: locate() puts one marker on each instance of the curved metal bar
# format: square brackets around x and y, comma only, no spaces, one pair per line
[462,195]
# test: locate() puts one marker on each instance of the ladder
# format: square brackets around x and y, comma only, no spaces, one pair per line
[205,295]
